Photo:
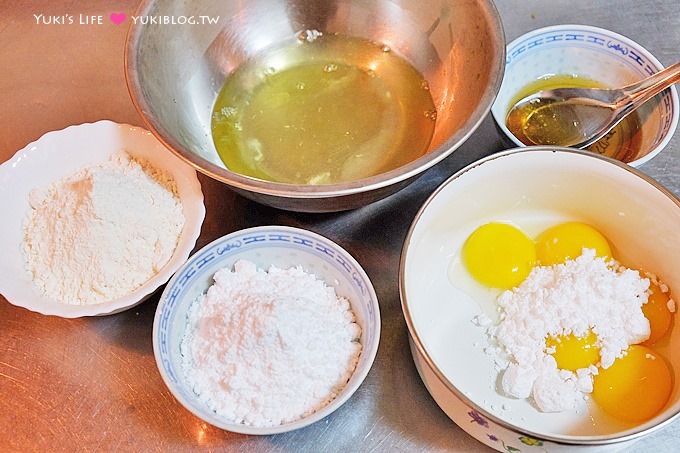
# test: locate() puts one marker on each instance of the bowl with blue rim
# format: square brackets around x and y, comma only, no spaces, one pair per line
[265,246]
[588,57]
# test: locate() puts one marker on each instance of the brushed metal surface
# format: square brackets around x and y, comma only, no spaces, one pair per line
[92,384]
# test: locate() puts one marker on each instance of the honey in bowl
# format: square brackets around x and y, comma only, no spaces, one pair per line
[623,142]
[321,110]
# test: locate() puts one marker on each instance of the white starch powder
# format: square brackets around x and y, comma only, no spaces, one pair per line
[266,348]
[102,232]
[585,293]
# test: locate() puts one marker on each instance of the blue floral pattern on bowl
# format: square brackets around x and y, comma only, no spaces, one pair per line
[593,53]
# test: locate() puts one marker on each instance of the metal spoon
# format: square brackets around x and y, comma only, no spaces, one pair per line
[577,117]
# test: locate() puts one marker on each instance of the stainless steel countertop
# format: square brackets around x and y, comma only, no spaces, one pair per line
[92,384]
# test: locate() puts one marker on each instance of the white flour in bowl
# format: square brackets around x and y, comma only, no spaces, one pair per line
[102,232]
[267,348]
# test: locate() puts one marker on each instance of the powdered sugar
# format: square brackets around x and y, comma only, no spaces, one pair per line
[582,294]
[266,348]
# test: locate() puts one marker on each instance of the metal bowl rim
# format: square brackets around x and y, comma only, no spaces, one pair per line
[296,191]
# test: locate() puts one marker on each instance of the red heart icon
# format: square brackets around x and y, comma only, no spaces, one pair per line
[117,18]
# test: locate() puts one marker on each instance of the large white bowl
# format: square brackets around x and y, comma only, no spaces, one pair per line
[594,53]
[283,247]
[58,154]
[174,75]
[527,187]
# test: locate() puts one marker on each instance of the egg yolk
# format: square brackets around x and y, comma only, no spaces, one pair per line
[499,255]
[572,352]
[636,387]
[657,312]
[567,241]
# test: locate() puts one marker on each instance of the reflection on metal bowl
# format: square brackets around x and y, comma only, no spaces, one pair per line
[174,73]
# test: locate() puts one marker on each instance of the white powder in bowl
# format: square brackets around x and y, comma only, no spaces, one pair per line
[585,293]
[102,232]
[267,348]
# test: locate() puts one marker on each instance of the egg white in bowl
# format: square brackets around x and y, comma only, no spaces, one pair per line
[60,154]
[532,188]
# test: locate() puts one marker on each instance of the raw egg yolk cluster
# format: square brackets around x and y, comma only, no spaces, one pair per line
[500,255]
[642,375]
[637,386]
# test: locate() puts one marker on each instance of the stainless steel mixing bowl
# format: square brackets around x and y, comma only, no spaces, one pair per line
[176,64]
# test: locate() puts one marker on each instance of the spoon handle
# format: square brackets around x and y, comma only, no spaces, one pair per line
[640,92]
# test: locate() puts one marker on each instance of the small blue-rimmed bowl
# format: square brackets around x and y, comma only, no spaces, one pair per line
[592,53]
[265,246]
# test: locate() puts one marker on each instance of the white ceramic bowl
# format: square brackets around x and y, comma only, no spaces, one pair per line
[283,247]
[532,188]
[58,154]
[596,54]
